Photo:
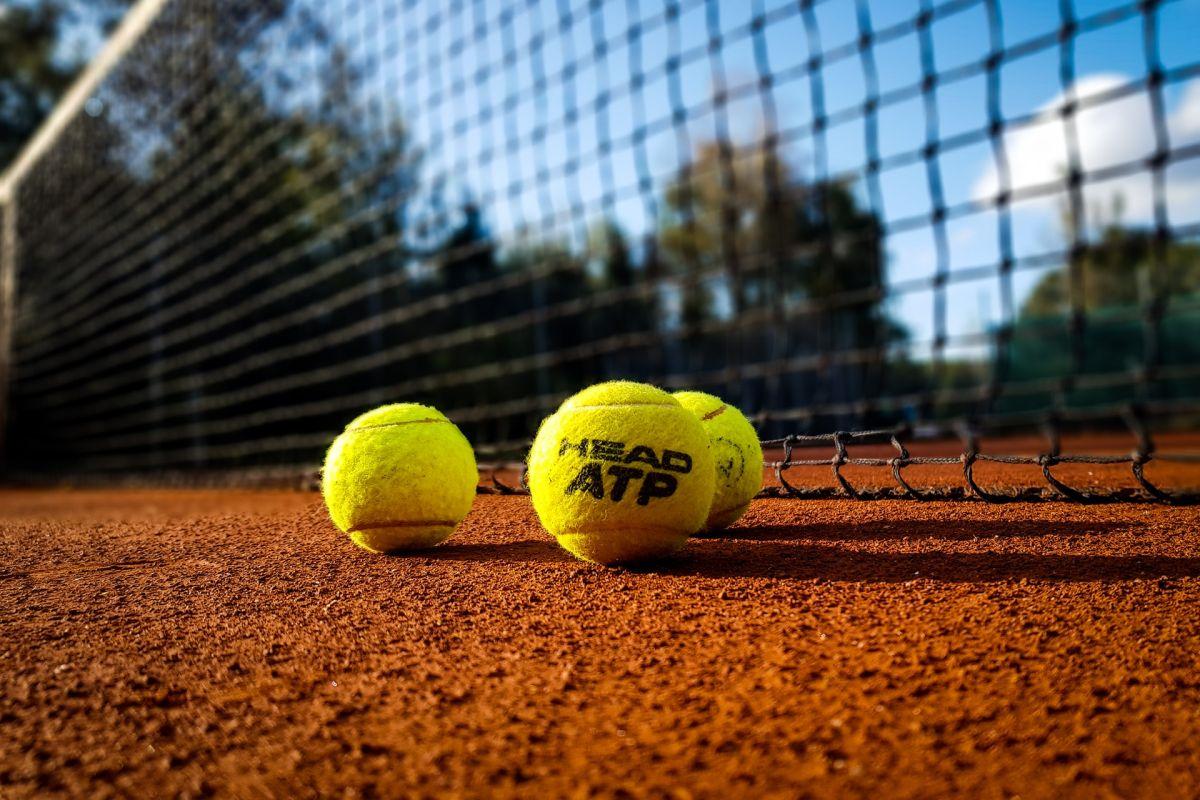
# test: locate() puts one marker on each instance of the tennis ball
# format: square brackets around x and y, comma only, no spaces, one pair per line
[400,477]
[737,455]
[621,473]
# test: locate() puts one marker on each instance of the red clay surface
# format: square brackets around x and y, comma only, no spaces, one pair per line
[191,643]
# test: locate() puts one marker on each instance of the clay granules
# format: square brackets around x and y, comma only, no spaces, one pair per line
[186,643]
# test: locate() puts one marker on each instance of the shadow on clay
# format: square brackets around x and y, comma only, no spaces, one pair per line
[524,551]
[788,552]
[809,562]
[915,529]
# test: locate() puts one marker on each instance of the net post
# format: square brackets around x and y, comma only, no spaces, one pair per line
[8,308]
[135,23]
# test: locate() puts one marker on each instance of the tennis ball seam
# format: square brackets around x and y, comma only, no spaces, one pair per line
[396,424]
[394,480]
[404,523]
[735,450]
[617,405]
[569,465]
[602,528]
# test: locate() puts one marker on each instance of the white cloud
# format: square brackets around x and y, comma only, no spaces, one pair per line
[1110,133]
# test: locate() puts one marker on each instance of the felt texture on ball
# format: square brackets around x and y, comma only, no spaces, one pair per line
[737,456]
[621,473]
[400,477]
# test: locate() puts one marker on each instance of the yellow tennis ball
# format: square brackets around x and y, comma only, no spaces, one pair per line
[400,477]
[621,473]
[737,455]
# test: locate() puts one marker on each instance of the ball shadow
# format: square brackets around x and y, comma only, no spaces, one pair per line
[798,561]
[542,551]
[795,552]
[880,530]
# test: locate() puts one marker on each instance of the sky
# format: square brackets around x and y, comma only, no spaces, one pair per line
[471,94]
[532,109]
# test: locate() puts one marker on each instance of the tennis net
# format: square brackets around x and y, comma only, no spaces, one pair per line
[251,221]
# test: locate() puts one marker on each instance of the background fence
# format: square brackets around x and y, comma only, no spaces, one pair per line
[253,220]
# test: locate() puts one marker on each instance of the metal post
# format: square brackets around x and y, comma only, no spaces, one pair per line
[135,23]
[8,308]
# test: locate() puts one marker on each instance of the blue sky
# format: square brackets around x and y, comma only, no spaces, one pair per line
[465,77]
[473,103]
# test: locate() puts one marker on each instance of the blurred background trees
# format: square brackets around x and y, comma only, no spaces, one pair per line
[797,267]
[43,45]
[261,242]
[1128,303]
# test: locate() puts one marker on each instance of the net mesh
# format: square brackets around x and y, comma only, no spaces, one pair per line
[839,215]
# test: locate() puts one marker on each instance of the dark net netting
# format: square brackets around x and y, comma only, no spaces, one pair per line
[856,220]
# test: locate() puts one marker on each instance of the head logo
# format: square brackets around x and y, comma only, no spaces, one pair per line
[654,473]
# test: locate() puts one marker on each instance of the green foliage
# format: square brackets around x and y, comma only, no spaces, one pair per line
[1121,269]
[35,70]
[30,80]
[1117,281]
[776,238]
[745,238]
[611,256]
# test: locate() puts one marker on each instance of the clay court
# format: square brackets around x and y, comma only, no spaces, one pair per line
[943,256]
[233,643]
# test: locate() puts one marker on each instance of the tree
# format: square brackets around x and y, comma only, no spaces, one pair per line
[745,237]
[189,252]
[774,236]
[38,61]
[1111,282]
[1122,269]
